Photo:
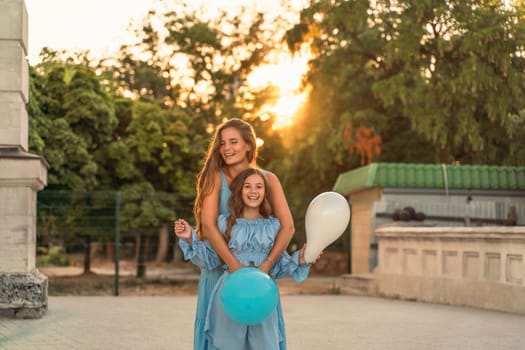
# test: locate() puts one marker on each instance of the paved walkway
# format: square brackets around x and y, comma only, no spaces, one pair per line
[313,322]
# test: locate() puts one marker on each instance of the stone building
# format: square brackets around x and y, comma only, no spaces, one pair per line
[439,195]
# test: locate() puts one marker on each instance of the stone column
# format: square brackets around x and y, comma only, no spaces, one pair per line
[23,290]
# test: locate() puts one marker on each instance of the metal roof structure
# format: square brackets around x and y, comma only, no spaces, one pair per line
[432,176]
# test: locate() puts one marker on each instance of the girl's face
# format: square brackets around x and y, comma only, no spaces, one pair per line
[233,148]
[253,191]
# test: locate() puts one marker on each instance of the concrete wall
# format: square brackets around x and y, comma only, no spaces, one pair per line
[373,208]
[362,211]
[14,74]
[20,179]
[474,266]
[23,290]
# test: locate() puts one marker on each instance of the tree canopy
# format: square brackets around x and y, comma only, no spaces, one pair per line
[449,72]
[406,81]
[397,81]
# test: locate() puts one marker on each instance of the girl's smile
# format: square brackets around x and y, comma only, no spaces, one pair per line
[253,191]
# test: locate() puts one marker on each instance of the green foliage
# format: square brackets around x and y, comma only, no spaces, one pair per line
[452,69]
[54,256]
[144,210]
[73,118]
[90,111]
[67,218]
[182,58]
[438,81]
[184,76]
[95,141]
[37,124]
[464,79]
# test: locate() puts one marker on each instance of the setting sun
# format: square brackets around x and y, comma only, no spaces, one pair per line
[286,74]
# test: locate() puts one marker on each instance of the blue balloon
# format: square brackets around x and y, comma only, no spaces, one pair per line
[249,296]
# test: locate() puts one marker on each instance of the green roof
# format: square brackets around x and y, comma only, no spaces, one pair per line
[405,175]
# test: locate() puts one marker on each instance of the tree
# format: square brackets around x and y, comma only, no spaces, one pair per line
[187,74]
[466,79]
[436,64]
[437,81]
[162,145]
[74,119]
[185,59]
[140,123]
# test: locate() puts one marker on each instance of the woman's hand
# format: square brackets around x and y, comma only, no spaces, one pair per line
[266,266]
[182,229]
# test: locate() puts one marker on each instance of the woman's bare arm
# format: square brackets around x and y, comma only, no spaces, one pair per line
[283,213]
[209,214]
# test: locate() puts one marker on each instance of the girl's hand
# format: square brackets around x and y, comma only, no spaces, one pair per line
[302,261]
[182,229]
[233,268]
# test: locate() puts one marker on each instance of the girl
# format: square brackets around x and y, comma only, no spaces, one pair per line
[232,150]
[250,231]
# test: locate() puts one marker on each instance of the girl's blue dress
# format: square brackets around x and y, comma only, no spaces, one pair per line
[251,242]
[202,254]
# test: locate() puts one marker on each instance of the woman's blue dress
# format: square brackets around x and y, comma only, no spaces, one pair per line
[251,242]
[202,254]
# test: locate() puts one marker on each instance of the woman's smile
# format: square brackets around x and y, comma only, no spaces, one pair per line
[233,148]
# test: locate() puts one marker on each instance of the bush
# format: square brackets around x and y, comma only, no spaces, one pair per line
[53,256]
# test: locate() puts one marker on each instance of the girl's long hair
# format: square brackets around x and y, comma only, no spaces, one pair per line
[236,203]
[213,163]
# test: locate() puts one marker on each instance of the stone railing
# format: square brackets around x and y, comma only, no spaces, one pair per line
[473,266]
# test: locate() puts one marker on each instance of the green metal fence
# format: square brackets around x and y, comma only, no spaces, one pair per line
[76,220]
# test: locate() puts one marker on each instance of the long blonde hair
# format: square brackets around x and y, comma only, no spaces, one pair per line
[236,203]
[213,163]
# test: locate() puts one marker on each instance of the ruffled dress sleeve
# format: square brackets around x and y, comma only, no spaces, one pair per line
[289,266]
[199,252]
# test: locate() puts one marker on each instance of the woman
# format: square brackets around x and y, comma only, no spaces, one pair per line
[232,150]
[250,230]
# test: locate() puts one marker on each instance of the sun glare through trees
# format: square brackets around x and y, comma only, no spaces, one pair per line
[286,75]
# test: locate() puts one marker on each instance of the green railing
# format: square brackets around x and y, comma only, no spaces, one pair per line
[75,220]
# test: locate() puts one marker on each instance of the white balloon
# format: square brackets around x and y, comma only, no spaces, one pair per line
[326,219]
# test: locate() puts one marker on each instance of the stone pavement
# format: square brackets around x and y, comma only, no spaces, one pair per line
[334,322]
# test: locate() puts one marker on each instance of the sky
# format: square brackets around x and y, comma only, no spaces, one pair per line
[101,25]
[98,25]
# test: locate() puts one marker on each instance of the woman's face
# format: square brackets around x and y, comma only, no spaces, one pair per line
[233,148]
[253,191]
